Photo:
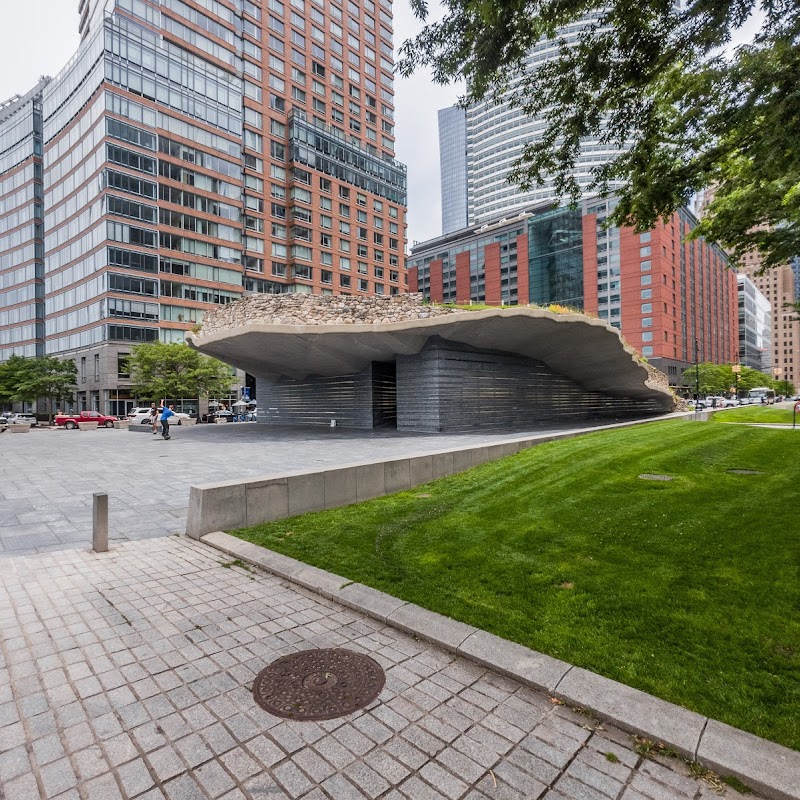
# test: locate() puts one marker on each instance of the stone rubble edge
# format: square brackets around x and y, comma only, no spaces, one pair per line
[766,767]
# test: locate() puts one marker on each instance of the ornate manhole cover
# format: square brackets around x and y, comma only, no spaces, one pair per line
[649,477]
[318,684]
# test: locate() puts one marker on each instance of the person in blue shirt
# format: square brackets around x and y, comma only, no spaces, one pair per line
[165,415]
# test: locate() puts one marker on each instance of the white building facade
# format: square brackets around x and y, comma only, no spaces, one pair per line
[494,135]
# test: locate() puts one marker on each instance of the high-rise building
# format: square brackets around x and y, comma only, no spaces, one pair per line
[674,300]
[21,226]
[755,327]
[474,175]
[195,151]
[453,161]
[780,286]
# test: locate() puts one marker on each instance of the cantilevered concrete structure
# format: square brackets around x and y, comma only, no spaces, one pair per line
[368,363]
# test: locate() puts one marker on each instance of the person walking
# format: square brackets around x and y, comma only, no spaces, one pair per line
[154,415]
[165,415]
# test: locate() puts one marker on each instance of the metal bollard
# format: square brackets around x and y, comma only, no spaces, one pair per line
[100,522]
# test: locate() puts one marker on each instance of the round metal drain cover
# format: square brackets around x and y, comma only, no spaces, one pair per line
[318,684]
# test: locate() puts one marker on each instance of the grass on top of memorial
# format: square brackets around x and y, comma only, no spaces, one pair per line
[685,588]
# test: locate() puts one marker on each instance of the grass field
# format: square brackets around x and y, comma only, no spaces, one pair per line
[765,414]
[688,589]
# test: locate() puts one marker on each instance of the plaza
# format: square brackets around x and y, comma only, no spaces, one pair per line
[47,477]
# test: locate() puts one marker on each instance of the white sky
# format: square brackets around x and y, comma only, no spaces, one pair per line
[37,37]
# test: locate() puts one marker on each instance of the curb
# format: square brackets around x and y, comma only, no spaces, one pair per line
[766,767]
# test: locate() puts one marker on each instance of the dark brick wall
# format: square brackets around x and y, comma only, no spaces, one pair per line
[451,387]
[446,387]
[317,400]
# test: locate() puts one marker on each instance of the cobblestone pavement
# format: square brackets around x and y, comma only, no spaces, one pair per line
[128,675]
[47,477]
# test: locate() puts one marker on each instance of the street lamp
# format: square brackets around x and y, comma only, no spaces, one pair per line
[736,369]
[697,371]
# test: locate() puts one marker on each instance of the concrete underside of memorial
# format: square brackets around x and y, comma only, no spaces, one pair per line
[471,370]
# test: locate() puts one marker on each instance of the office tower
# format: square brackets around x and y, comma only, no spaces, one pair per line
[494,135]
[194,151]
[662,292]
[453,164]
[780,286]
[21,226]
[755,327]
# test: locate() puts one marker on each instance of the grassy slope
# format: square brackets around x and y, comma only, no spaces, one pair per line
[782,413]
[688,589]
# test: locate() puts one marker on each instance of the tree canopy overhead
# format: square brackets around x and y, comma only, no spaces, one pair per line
[653,79]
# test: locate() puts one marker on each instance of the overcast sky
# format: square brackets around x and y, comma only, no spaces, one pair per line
[37,37]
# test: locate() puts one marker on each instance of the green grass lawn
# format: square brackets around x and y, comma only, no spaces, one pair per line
[782,413]
[688,589]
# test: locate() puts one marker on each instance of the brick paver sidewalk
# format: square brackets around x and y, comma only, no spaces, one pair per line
[128,675]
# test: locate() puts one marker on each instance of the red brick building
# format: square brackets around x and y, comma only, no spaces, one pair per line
[662,292]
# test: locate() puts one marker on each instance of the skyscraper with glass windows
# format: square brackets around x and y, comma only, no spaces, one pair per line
[21,226]
[475,187]
[196,150]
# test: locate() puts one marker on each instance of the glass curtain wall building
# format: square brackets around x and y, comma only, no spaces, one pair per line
[193,151]
[475,188]
[755,327]
[21,226]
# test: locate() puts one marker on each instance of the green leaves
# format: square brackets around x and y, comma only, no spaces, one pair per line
[161,370]
[30,379]
[653,80]
[719,378]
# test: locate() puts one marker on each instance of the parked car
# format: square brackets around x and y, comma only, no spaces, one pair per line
[716,401]
[141,416]
[23,419]
[71,420]
[224,414]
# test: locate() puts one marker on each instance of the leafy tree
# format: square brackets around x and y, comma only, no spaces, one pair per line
[720,379]
[649,77]
[30,379]
[161,370]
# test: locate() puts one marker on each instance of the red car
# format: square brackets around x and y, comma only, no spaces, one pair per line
[72,420]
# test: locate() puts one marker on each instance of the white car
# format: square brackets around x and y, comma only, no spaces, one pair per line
[141,416]
[23,419]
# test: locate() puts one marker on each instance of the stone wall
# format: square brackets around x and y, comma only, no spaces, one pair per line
[310,309]
[451,387]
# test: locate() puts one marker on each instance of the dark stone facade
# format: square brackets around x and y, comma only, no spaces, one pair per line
[446,387]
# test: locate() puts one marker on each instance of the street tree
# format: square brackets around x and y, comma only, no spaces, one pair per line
[656,80]
[720,379]
[160,371]
[28,380]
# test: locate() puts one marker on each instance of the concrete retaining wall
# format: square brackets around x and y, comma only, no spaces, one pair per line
[230,505]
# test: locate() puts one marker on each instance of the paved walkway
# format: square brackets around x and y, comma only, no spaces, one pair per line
[128,675]
[47,477]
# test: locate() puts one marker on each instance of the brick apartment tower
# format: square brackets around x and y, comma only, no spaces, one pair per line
[779,286]
[197,150]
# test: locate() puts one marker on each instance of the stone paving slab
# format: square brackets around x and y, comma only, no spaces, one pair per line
[128,675]
[48,477]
